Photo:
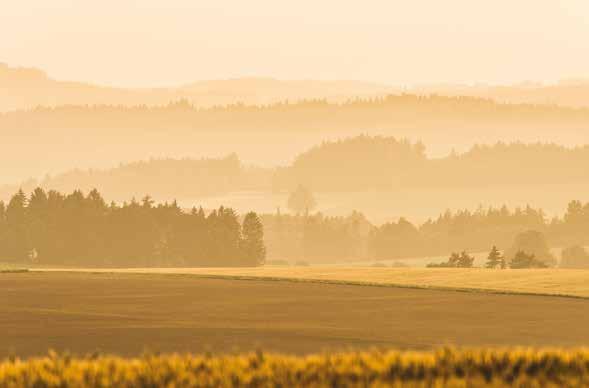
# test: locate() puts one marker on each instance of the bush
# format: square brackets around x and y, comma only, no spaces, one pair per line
[456,260]
[523,260]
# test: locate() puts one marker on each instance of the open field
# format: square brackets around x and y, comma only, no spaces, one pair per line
[448,368]
[563,282]
[128,313]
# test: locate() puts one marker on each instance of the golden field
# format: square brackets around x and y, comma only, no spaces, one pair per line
[562,282]
[441,368]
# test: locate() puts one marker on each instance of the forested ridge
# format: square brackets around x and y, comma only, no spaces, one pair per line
[431,112]
[164,178]
[386,163]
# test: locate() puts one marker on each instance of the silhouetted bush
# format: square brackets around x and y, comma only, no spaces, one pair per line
[523,260]
[456,260]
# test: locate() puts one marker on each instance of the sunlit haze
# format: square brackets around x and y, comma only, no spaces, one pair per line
[304,193]
[162,43]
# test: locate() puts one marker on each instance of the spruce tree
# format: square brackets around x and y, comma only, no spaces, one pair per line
[495,259]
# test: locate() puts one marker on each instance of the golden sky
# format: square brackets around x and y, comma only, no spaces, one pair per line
[167,42]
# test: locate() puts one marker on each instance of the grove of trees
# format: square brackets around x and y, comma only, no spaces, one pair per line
[83,230]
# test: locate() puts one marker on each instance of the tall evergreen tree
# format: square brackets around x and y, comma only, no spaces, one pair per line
[495,258]
[17,237]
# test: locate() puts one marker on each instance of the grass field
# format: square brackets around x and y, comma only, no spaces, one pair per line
[535,281]
[443,368]
[128,313]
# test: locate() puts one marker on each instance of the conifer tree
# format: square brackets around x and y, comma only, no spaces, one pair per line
[495,259]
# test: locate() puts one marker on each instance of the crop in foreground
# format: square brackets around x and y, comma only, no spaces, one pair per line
[442,368]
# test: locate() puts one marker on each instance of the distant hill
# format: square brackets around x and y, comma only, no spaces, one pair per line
[386,164]
[572,93]
[161,178]
[25,88]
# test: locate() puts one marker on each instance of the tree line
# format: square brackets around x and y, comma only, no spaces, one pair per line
[402,111]
[83,230]
[316,237]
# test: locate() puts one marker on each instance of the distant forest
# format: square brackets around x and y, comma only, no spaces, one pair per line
[50,228]
[405,111]
[384,163]
[318,238]
[362,163]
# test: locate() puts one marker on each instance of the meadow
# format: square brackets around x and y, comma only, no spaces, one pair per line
[559,282]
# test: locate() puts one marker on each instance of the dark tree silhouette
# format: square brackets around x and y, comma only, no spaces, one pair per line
[456,260]
[495,259]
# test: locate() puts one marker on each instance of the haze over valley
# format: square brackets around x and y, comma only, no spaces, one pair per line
[294,194]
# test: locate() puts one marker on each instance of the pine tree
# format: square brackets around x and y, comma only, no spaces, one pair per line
[17,239]
[495,259]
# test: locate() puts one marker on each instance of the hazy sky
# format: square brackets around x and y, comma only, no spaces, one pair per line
[162,42]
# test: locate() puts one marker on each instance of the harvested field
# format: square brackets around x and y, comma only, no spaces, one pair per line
[128,313]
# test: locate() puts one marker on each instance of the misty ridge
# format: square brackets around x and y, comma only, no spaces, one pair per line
[25,88]
[390,112]
[266,122]
[371,163]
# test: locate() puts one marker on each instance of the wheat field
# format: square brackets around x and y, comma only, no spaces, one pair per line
[441,368]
